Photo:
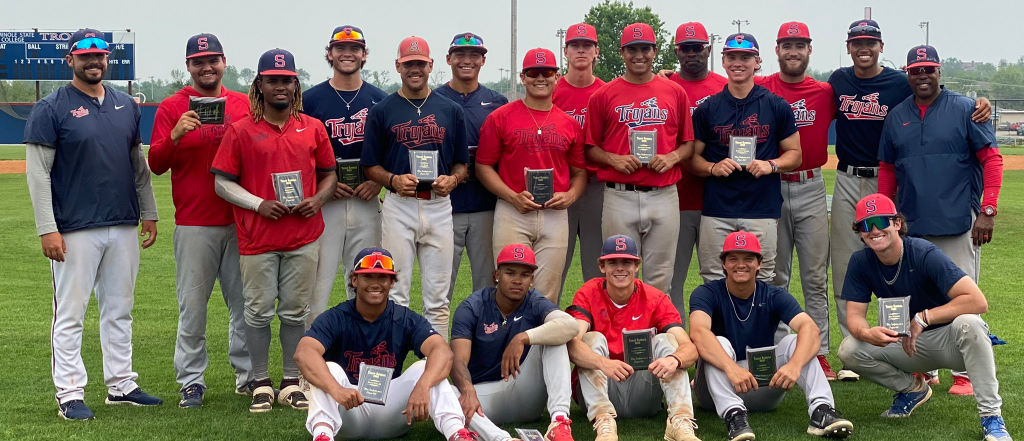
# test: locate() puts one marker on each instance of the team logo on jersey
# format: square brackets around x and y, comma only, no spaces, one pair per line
[580,117]
[697,103]
[647,114]
[215,131]
[547,139]
[866,108]
[804,117]
[350,132]
[749,127]
[80,112]
[491,328]
[427,132]
[379,356]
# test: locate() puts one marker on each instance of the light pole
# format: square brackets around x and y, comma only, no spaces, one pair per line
[712,39]
[512,65]
[501,71]
[924,25]
[739,23]
[561,48]
[151,93]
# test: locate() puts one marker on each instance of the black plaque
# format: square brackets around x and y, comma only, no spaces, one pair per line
[761,364]
[540,184]
[374,382]
[209,109]
[894,314]
[742,149]
[638,348]
[471,167]
[350,172]
[423,164]
[643,145]
[530,435]
[288,187]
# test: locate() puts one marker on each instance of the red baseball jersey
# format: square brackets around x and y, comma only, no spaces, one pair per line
[574,100]
[509,137]
[195,201]
[814,110]
[691,187]
[647,308]
[621,107]
[250,152]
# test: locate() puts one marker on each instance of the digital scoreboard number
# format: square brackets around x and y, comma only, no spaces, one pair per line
[39,56]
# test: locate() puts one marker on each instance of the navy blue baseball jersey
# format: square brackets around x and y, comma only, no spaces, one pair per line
[349,339]
[863,105]
[92,179]
[394,127]
[746,323]
[926,275]
[761,114]
[937,168]
[473,197]
[478,319]
[345,123]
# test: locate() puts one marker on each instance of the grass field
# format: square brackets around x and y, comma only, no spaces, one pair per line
[30,412]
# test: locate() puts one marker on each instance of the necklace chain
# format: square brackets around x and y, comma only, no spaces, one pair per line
[528,110]
[411,104]
[348,104]
[899,266]
[753,301]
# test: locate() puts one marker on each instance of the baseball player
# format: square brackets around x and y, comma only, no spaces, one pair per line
[504,339]
[572,95]
[533,134]
[205,240]
[945,330]
[693,49]
[723,326]
[417,216]
[374,330]
[279,245]
[804,221]
[605,307]
[636,194]
[90,186]
[742,198]
[472,204]
[352,216]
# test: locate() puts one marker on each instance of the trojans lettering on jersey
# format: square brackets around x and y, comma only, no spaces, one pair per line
[803,116]
[867,107]
[379,356]
[647,114]
[548,139]
[427,132]
[350,132]
[749,127]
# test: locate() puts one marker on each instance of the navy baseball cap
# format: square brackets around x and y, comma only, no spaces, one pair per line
[202,45]
[374,260]
[347,34]
[467,40]
[741,43]
[619,246]
[922,56]
[864,29]
[88,41]
[277,62]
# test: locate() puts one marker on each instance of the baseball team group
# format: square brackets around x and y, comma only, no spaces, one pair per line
[915,198]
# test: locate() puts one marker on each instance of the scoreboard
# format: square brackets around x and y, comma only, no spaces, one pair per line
[39,55]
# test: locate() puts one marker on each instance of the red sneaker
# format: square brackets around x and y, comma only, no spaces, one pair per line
[961,386]
[829,375]
[559,430]
[323,437]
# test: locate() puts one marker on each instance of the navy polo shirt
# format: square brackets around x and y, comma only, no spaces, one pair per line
[92,179]
[478,319]
[926,275]
[473,197]
[863,104]
[761,114]
[345,124]
[773,305]
[393,128]
[936,162]
[349,339]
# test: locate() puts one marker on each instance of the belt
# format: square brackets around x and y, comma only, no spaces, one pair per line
[630,187]
[425,195]
[801,176]
[864,172]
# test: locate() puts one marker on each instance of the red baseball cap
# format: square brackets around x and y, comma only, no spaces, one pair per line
[744,241]
[581,31]
[413,48]
[793,29]
[517,254]
[875,205]
[692,32]
[539,58]
[637,33]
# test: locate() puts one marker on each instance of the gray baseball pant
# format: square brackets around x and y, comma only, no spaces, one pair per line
[689,233]
[202,255]
[585,222]
[545,231]
[961,345]
[350,225]
[473,233]
[713,231]
[848,190]
[642,215]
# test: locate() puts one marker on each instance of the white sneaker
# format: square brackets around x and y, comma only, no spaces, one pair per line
[847,375]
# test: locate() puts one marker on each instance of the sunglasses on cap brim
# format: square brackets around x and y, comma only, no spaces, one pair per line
[92,43]
[545,72]
[863,29]
[880,222]
[347,35]
[376,261]
[920,70]
[470,41]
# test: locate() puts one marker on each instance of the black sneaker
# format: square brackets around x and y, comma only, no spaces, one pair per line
[192,396]
[245,389]
[262,396]
[292,395]
[826,421]
[75,410]
[135,398]
[739,428]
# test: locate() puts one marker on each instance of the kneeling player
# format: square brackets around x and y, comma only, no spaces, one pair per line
[605,307]
[373,330]
[729,316]
[505,339]
[940,293]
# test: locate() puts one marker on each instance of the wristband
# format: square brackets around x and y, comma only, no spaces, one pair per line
[391,182]
[711,171]
[677,361]
[775,167]
[920,321]
[927,320]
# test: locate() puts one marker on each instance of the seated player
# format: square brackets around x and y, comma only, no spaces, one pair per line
[606,306]
[941,294]
[510,353]
[723,324]
[372,329]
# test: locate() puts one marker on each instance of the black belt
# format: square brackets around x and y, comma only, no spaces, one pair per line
[864,172]
[630,187]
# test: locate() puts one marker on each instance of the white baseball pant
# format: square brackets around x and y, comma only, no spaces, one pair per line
[642,215]
[350,225]
[713,231]
[585,222]
[473,233]
[545,231]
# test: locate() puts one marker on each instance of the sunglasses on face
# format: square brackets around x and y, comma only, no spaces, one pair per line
[376,260]
[92,42]
[534,73]
[866,225]
[692,47]
[922,70]
[348,35]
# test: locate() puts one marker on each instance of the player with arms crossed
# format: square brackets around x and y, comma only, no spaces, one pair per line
[279,245]
[945,328]
[374,330]
[505,339]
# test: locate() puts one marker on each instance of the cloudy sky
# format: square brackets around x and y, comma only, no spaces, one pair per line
[969,30]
